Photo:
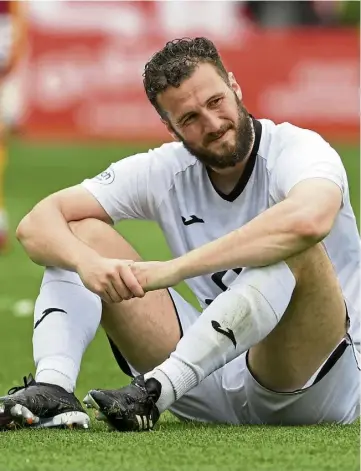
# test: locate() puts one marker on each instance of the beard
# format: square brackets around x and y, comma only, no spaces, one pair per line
[229,154]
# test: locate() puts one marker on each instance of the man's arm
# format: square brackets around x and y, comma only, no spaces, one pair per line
[48,240]
[303,219]
[118,193]
[125,190]
[45,233]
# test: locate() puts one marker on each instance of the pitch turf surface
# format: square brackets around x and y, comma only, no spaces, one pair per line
[37,170]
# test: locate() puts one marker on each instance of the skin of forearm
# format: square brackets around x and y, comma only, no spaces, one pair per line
[275,235]
[47,239]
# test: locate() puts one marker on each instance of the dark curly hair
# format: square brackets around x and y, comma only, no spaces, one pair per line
[177,62]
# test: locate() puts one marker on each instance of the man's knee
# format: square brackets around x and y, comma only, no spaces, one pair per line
[104,239]
[312,260]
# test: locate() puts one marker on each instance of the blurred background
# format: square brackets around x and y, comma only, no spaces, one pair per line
[72,102]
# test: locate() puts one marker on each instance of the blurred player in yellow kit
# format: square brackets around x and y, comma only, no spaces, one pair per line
[12,33]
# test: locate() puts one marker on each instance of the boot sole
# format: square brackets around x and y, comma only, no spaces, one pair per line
[22,417]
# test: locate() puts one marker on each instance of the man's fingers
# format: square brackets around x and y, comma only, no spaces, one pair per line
[106,297]
[101,289]
[121,287]
[113,280]
[131,282]
[112,293]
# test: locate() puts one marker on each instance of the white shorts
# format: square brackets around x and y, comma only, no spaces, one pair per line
[232,395]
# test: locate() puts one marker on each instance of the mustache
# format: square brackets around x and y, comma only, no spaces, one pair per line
[212,136]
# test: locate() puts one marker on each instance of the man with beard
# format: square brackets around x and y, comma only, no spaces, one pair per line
[260,225]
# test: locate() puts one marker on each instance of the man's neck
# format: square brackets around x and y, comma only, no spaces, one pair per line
[226,180]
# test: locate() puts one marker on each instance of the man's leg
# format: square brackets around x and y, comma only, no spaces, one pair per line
[66,318]
[147,330]
[298,304]
[296,376]
[144,330]
[312,326]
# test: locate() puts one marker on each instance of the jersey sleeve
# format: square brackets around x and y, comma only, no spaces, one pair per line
[310,157]
[126,189]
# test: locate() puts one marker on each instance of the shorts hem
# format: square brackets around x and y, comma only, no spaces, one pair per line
[330,363]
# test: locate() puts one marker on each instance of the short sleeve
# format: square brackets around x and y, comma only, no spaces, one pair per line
[311,157]
[124,189]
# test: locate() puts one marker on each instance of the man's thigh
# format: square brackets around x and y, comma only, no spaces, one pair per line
[331,396]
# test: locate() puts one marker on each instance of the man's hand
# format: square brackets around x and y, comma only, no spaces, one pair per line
[156,275]
[113,280]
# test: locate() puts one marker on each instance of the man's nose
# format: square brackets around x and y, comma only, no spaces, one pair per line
[211,122]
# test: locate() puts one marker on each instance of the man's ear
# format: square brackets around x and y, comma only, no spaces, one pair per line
[234,85]
[170,129]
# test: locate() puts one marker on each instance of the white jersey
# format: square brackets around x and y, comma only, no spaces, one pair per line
[170,186]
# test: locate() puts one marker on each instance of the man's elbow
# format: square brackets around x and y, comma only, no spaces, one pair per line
[313,229]
[26,235]
[32,223]
[24,228]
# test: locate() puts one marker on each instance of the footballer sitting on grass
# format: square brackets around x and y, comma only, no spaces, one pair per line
[259,221]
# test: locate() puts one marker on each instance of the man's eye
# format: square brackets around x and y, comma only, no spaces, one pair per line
[216,101]
[188,120]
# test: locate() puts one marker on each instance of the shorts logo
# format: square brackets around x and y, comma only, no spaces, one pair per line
[106,178]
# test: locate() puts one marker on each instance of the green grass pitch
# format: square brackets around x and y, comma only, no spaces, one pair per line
[36,170]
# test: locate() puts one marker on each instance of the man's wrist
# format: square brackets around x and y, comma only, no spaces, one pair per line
[82,256]
[180,269]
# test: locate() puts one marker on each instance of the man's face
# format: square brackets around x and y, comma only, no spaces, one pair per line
[209,118]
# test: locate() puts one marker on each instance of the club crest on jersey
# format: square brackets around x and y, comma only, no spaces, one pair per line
[105,177]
